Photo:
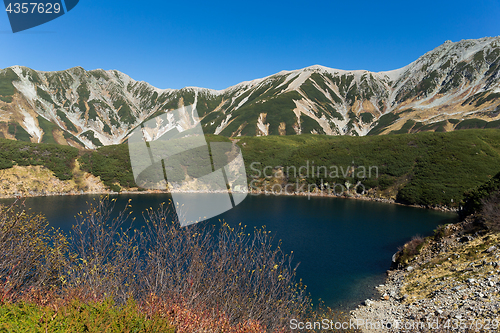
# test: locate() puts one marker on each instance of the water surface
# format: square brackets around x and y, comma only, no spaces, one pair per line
[344,246]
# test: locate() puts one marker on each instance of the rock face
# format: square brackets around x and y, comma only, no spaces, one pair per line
[455,86]
[452,282]
[37,180]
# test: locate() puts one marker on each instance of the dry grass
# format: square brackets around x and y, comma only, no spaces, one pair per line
[451,267]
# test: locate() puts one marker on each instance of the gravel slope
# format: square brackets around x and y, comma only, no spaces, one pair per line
[453,284]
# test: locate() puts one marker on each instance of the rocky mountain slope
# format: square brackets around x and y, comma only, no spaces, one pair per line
[455,86]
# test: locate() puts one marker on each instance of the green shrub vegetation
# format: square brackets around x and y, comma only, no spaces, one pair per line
[493,55]
[7,89]
[493,124]
[314,94]
[19,132]
[106,128]
[475,197]
[90,135]
[412,126]
[83,91]
[124,111]
[425,168]
[57,158]
[207,120]
[69,125]
[47,127]
[405,128]
[111,164]
[44,95]
[318,78]
[92,109]
[366,117]
[114,121]
[207,104]
[482,97]
[6,99]
[490,97]
[426,86]
[78,316]
[471,123]
[308,124]
[98,74]
[437,127]
[383,122]
[248,114]
[333,112]
[428,168]
[67,136]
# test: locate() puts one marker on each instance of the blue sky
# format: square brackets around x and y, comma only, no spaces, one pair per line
[216,44]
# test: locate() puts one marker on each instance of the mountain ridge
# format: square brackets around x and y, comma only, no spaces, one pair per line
[454,86]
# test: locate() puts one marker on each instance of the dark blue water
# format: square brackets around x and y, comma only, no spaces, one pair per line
[344,246]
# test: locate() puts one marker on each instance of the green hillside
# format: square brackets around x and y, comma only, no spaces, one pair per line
[426,168]
[59,159]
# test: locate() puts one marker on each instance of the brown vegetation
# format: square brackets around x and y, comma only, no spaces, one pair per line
[490,211]
[409,250]
[201,277]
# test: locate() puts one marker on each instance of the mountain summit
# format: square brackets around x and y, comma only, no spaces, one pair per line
[454,86]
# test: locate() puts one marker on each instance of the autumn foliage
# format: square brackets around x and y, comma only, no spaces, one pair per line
[201,278]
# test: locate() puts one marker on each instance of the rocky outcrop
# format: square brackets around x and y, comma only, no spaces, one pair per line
[28,181]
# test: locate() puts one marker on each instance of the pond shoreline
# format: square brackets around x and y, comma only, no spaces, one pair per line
[441,284]
[359,197]
[253,193]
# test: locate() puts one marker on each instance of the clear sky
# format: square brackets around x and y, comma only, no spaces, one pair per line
[216,44]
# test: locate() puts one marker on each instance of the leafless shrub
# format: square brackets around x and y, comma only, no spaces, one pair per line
[221,269]
[104,258]
[32,255]
[200,276]
[409,250]
[490,211]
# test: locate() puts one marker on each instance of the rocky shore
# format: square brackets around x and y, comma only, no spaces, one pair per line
[453,285]
[33,181]
[354,196]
